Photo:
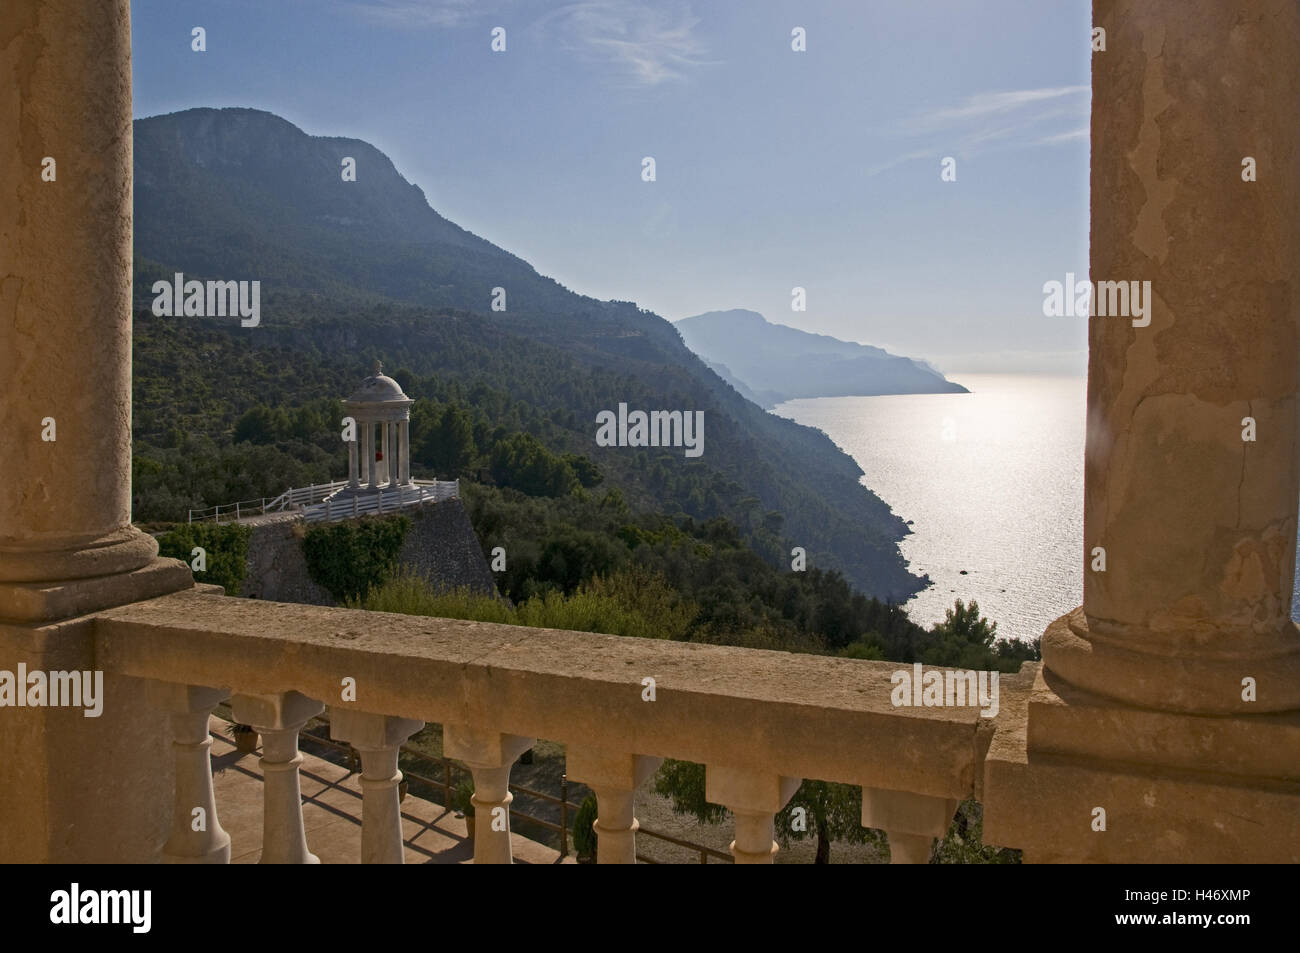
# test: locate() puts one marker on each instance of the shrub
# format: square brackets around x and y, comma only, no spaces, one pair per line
[462,796]
[634,602]
[350,558]
[410,594]
[226,546]
[584,833]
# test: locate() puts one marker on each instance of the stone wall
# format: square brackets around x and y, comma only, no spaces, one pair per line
[441,546]
[277,569]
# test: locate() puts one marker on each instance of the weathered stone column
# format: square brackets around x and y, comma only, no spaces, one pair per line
[278,719]
[754,798]
[614,777]
[1161,728]
[379,738]
[67,546]
[489,755]
[1198,524]
[65,309]
[353,468]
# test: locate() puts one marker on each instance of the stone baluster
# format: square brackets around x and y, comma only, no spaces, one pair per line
[196,835]
[278,718]
[489,756]
[379,739]
[614,777]
[754,797]
[911,821]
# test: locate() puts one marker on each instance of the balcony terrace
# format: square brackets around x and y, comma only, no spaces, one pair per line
[1169,702]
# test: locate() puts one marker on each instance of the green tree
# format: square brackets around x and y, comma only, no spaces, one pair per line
[828,811]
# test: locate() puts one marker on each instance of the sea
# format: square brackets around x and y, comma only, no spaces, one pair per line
[991,484]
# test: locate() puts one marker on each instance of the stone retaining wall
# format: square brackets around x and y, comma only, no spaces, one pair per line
[441,546]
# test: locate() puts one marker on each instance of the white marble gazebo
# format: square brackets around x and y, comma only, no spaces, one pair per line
[379,403]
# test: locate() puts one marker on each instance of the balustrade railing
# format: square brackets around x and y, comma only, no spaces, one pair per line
[759,721]
[315,504]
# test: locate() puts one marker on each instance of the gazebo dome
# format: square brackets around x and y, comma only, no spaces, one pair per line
[377,389]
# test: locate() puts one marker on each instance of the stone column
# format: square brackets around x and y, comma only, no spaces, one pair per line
[65,294]
[383,446]
[196,835]
[614,777]
[489,756]
[395,462]
[406,451]
[1198,524]
[353,465]
[67,546]
[911,821]
[372,476]
[754,797]
[278,719]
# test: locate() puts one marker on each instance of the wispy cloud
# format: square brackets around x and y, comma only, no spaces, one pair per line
[424,13]
[649,41]
[984,105]
[1081,133]
[1015,119]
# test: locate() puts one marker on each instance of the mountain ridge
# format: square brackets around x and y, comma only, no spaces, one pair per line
[777,362]
[352,271]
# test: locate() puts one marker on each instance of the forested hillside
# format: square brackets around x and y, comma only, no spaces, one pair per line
[353,271]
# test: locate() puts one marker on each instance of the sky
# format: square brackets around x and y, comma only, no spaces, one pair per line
[774,169]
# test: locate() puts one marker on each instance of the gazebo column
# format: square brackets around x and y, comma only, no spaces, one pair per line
[67,546]
[394,445]
[1183,659]
[384,427]
[405,443]
[372,480]
[353,464]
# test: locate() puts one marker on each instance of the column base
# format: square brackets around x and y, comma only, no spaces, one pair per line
[1171,674]
[114,553]
[41,602]
[1166,787]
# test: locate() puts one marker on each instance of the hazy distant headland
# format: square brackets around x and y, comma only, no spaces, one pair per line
[772,363]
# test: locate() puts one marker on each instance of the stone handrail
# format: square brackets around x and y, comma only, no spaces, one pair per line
[758,720]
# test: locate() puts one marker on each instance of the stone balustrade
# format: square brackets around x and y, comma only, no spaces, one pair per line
[759,721]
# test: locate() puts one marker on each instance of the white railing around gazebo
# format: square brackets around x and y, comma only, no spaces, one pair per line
[382,500]
[314,505]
